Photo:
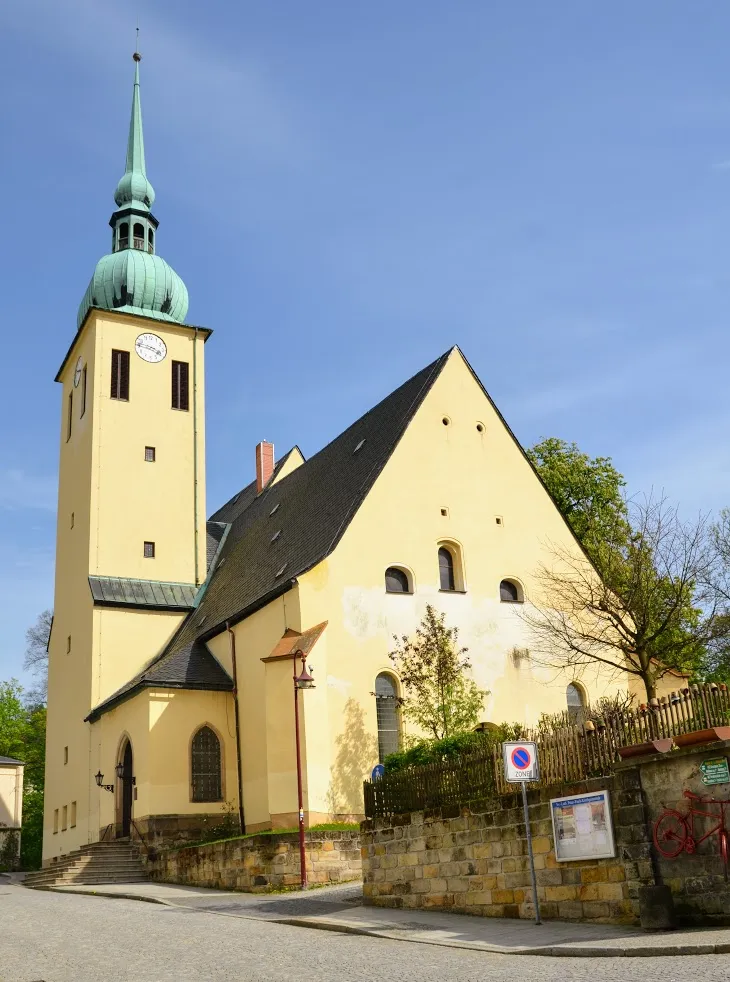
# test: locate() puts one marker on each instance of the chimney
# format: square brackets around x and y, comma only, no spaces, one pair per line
[264,464]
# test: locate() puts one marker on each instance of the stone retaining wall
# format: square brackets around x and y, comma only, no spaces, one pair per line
[474,859]
[261,862]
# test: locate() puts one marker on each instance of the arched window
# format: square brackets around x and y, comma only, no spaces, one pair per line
[138,235]
[446,569]
[124,236]
[386,704]
[151,240]
[576,704]
[396,580]
[206,766]
[509,592]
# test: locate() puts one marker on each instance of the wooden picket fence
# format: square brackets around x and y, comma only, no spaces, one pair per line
[568,751]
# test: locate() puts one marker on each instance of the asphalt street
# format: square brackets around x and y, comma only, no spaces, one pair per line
[69,938]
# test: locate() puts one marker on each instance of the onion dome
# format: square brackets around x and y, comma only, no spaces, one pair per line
[132,278]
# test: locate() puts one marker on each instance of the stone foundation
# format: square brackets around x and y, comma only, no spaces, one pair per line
[260,863]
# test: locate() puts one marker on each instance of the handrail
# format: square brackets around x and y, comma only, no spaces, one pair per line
[141,837]
[106,829]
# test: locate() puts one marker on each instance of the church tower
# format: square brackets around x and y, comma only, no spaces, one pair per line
[130,544]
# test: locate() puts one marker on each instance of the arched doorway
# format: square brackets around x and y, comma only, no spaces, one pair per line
[125,793]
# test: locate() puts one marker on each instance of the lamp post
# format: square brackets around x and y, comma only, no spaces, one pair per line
[303,680]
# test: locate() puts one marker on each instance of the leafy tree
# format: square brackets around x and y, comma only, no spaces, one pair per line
[36,655]
[646,603]
[439,697]
[588,491]
[23,736]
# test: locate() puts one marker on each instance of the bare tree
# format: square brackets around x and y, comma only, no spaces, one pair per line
[645,605]
[36,655]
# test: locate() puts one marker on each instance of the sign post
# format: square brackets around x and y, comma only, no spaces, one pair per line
[520,766]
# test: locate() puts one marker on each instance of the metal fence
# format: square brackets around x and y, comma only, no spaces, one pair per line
[567,752]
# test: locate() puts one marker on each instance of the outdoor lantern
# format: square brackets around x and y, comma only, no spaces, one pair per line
[305,679]
[120,770]
[99,778]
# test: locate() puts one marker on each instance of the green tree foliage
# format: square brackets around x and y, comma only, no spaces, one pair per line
[439,697]
[23,736]
[452,747]
[588,491]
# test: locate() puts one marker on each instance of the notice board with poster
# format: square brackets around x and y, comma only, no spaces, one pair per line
[582,827]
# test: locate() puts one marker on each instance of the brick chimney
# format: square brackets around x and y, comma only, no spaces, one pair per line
[264,464]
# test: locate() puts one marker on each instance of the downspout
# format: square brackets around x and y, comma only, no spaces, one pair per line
[232,644]
[195,452]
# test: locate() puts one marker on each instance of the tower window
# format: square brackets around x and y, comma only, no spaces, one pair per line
[149,550]
[69,422]
[65,755]
[73,814]
[83,391]
[150,241]
[124,235]
[138,235]
[120,375]
[55,820]
[64,818]
[149,454]
[180,386]
[68,644]
[72,519]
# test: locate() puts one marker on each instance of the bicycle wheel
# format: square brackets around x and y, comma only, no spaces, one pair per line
[724,847]
[670,834]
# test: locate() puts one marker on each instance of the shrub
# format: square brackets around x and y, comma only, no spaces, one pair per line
[452,747]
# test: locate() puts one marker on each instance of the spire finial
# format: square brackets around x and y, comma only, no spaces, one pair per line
[137,56]
[134,188]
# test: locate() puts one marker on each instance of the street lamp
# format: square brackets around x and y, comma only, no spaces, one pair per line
[302,681]
[99,777]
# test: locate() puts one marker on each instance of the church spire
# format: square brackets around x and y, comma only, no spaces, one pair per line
[134,190]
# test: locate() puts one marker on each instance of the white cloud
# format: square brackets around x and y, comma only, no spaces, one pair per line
[21,491]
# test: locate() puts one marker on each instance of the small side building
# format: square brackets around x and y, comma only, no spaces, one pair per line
[11,810]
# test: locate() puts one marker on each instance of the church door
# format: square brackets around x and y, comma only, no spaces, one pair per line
[124,828]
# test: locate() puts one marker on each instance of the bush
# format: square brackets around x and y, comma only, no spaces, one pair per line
[452,747]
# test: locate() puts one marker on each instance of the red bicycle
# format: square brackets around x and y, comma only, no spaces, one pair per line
[675,833]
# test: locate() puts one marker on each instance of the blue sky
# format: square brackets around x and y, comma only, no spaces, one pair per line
[348,190]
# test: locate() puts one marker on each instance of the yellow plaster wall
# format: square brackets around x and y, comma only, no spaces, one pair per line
[476,477]
[11,795]
[118,501]
[266,709]
[292,462]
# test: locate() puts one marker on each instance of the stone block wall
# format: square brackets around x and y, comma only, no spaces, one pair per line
[474,859]
[260,863]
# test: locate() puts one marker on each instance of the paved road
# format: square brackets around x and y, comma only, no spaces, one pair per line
[68,938]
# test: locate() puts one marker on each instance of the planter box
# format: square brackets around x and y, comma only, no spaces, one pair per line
[712,735]
[642,749]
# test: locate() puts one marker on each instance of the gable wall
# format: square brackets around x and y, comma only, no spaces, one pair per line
[476,477]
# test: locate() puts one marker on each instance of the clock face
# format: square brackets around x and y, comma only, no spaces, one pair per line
[77,371]
[150,348]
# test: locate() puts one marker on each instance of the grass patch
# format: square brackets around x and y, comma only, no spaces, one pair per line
[322,827]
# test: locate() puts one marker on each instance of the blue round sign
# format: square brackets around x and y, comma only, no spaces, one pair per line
[378,772]
[520,758]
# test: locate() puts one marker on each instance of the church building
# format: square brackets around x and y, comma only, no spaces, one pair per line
[171,657]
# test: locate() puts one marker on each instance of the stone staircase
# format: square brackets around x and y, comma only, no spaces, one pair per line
[100,862]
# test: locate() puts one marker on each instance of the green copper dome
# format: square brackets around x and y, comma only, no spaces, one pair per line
[132,278]
[136,282]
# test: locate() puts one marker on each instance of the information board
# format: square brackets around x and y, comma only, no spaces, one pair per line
[715,771]
[582,827]
[520,762]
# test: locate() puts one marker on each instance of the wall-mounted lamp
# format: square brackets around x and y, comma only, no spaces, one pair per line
[100,782]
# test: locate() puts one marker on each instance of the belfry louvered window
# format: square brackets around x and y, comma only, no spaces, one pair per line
[120,375]
[206,766]
[180,388]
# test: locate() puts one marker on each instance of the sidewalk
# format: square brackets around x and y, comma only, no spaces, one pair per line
[340,908]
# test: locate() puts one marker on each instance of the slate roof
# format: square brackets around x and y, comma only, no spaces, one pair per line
[10,760]
[214,532]
[310,510]
[116,591]
[189,667]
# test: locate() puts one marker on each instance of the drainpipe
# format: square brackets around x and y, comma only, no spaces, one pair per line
[195,452]
[232,644]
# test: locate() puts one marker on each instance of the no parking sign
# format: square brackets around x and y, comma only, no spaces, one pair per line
[520,762]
